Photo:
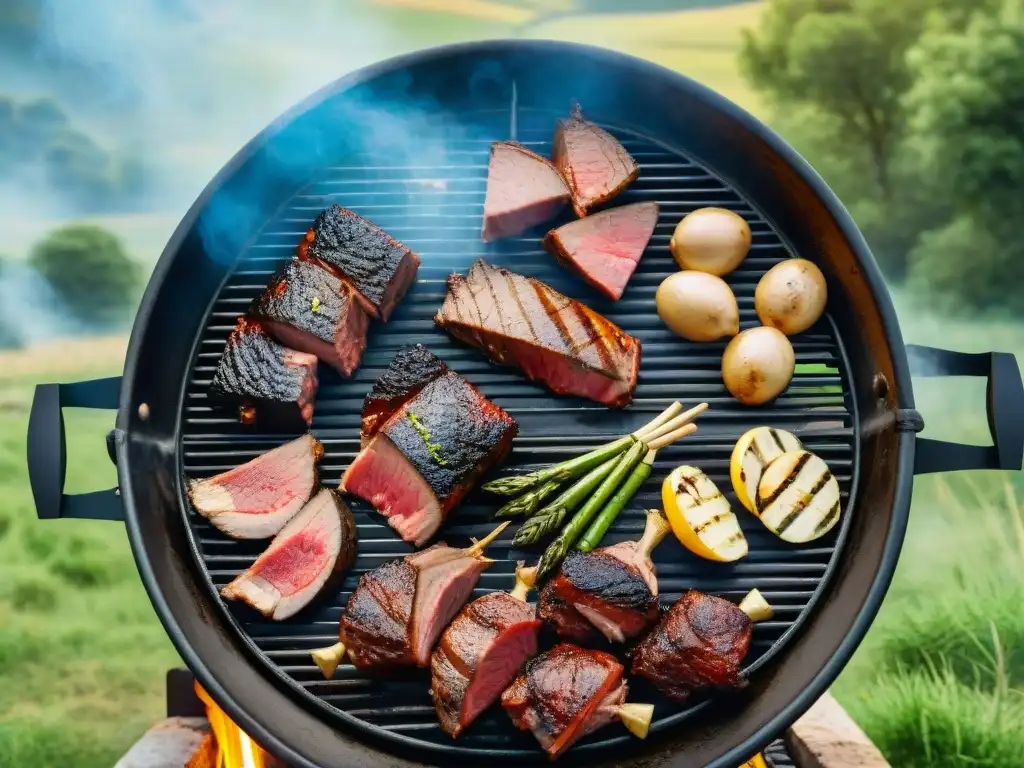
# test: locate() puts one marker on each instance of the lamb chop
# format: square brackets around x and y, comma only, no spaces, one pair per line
[699,643]
[612,590]
[398,610]
[429,454]
[313,310]
[592,161]
[256,499]
[317,544]
[481,652]
[520,321]
[569,692]
[412,368]
[271,386]
[380,268]
[606,247]
[523,190]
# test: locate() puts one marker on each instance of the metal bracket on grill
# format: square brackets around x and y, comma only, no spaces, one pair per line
[909,420]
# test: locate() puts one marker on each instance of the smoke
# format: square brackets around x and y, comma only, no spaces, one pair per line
[30,310]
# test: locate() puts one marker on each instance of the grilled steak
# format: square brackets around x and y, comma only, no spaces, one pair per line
[523,190]
[313,310]
[429,454]
[612,590]
[398,610]
[271,386]
[256,500]
[520,321]
[595,166]
[481,652]
[379,267]
[318,543]
[413,368]
[565,694]
[605,248]
[699,643]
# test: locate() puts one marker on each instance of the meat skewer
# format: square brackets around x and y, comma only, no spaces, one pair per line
[318,544]
[256,499]
[612,590]
[570,692]
[481,652]
[398,610]
[699,643]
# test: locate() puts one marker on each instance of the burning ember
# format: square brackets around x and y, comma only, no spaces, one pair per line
[228,746]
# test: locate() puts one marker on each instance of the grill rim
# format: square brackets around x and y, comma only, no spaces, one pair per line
[129,421]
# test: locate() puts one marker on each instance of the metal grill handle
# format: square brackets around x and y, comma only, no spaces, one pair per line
[47,450]
[1004,403]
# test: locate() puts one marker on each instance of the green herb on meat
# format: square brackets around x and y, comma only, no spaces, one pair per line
[434,449]
[316,304]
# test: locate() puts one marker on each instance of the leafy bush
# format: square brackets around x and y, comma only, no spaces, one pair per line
[86,570]
[33,594]
[89,270]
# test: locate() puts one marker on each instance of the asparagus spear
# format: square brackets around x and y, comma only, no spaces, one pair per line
[549,518]
[558,548]
[573,468]
[529,502]
[611,510]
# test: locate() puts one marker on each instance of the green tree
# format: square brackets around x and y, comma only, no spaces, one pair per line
[90,271]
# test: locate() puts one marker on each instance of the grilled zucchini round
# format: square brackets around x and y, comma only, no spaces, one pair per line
[798,497]
[701,517]
[754,451]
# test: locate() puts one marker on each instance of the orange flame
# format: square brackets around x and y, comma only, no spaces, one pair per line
[234,747]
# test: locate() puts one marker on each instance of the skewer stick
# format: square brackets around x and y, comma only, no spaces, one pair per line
[526,579]
[675,423]
[664,417]
[671,437]
[478,547]
[655,529]
[637,718]
[329,658]
[756,607]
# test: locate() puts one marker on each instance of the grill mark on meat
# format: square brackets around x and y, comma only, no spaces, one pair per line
[575,140]
[595,338]
[555,315]
[376,622]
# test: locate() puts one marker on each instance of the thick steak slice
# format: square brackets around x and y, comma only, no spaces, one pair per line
[479,655]
[565,694]
[523,190]
[699,643]
[599,591]
[270,386]
[429,454]
[380,267]
[256,500]
[398,610]
[606,247]
[413,367]
[313,310]
[316,544]
[553,339]
[592,161]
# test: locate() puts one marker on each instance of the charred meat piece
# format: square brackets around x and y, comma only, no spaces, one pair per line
[605,248]
[481,652]
[699,643]
[313,310]
[256,500]
[553,339]
[612,590]
[271,386]
[569,692]
[523,190]
[592,161]
[413,368]
[398,610]
[429,454]
[318,543]
[379,267]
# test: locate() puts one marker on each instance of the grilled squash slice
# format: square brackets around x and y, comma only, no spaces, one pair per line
[798,497]
[701,517]
[754,451]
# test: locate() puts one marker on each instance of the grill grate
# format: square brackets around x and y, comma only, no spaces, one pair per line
[436,210]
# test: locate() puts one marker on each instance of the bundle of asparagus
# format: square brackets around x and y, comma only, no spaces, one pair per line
[606,479]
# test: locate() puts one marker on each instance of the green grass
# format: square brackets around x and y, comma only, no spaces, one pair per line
[82,655]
